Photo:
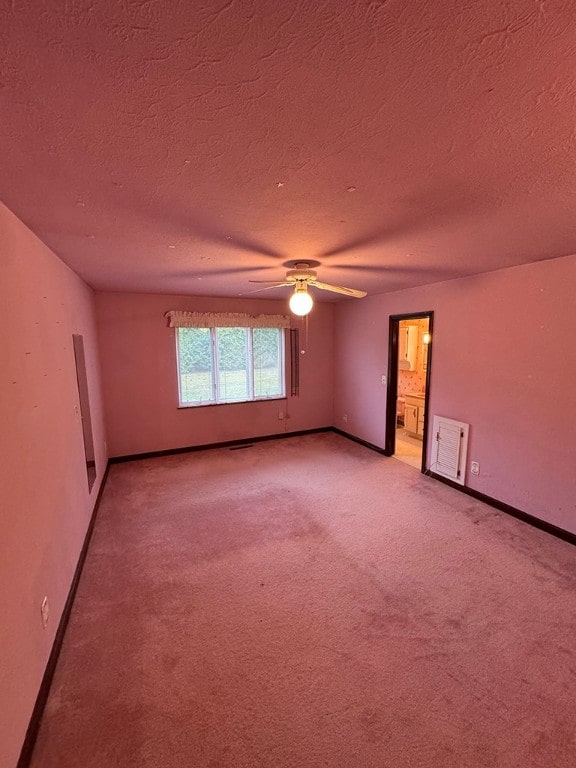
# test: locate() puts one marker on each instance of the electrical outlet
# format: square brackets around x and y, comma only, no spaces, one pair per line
[45,611]
[345,417]
[281,415]
[383,381]
[475,468]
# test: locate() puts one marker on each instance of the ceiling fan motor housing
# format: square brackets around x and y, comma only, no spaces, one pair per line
[301,272]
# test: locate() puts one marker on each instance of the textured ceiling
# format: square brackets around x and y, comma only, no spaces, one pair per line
[187,147]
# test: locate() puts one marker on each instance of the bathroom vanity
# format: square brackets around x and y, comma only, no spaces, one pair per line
[414,412]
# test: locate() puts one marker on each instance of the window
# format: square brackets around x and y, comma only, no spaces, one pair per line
[229,365]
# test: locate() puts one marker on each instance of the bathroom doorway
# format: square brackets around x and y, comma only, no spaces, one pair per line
[409,366]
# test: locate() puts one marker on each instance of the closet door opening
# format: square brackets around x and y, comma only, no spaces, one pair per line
[84,399]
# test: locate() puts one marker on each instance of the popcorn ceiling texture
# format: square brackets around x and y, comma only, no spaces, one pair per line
[189,147]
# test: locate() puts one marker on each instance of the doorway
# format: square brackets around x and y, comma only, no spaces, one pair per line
[408,389]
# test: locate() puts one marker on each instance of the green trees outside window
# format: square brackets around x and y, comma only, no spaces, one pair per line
[224,365]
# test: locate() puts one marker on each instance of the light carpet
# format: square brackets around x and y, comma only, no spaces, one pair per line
[308,602]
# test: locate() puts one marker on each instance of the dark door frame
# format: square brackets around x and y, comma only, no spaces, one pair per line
[392,386]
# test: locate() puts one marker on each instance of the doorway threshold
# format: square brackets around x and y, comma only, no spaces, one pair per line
[408,449]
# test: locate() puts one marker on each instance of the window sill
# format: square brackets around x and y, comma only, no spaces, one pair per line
[237,402]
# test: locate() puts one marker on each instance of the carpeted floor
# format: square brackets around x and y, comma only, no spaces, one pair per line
[308,602]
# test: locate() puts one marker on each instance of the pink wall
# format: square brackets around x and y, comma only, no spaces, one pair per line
[503,360]
[45,502]
[140,382]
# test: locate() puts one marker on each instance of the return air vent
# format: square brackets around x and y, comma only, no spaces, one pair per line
[449,448]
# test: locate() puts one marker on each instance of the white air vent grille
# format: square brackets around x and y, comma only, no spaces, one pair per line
[449,448]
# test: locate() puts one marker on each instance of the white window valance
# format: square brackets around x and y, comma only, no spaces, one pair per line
[180,319]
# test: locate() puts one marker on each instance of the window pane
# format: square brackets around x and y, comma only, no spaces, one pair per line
[195,365]
[268,380]
[233,380]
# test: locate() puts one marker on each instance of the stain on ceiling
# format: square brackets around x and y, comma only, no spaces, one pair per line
[191,147]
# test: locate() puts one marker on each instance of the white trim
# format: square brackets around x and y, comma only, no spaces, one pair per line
[215,366]
[250,363]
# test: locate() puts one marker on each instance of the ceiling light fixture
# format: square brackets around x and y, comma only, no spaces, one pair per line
[301,302]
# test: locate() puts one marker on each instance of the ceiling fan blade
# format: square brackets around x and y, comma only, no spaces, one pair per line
[269,281]
[268,287]
[338,289]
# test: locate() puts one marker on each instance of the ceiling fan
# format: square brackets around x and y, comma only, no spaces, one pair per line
[301,277]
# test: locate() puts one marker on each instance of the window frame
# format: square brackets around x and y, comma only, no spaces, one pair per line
[249,335]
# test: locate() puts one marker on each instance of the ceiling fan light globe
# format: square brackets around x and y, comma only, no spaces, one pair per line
[301,303]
